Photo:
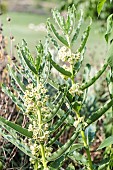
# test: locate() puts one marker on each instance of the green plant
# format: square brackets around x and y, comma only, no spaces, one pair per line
[46,117]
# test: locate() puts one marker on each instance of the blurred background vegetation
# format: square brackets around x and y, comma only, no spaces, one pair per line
[28,21]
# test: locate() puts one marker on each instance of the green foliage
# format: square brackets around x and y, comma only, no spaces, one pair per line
[33,77]
[107,142]
[100,6]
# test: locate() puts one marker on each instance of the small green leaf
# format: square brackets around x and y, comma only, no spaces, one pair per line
[100,6]
[16,127]
[108,141]
[109,27]
[60,38]
[59,68]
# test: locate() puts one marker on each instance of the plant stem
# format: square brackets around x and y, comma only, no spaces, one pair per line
[86,145]
[41,144]
[43,156]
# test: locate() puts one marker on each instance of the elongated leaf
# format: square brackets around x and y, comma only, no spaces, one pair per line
[51,141]
[59,68]
[60,38]
[17,80]
[96,115]
[85,37]
[100,6]
[19,144]
[70,22]
[60,121]
[27,52]
[108,141]
[58,19]
[53,41]
[28,63]
[16,127]
[57,107]
[75,36]
[75,147]
[109,27]
[13,97]
[93,79]
[65,147]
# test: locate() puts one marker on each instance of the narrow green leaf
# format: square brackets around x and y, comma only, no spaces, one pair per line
[100,6]
[76,146]
[16,127]
[85,37]
[13,97]
[19,144]
[70,22]
[55,110]
[53,41]
[60,121]
[65,147]
[59,20]
[60,38]
[75,36]
[52,140]
[28,63]
[108,141]
[109,27]
[93,79]
[59,68]
[96,115]
[27,52]
[17,80]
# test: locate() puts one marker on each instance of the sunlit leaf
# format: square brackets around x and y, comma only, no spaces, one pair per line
[100,6]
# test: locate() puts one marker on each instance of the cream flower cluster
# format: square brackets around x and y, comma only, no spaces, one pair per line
[35,100]
[75,89]
[65,54]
